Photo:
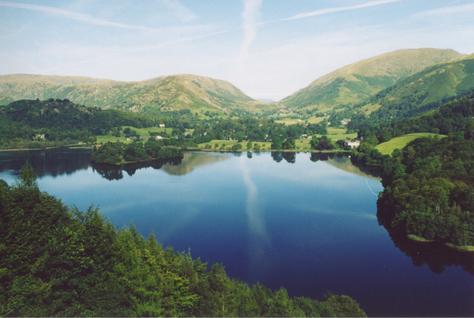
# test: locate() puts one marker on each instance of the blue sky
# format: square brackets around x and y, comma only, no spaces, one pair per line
[268,48]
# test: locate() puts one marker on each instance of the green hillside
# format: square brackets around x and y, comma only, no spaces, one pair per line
[424,91]
[53,122]
[356,82]
[400,142]
[171,93]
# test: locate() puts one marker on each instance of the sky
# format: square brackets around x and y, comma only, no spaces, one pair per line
[267,48]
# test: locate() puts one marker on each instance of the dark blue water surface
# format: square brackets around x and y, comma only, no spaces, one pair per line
[304,222]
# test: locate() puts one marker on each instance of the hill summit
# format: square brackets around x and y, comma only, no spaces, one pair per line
[169,93]
[356,82]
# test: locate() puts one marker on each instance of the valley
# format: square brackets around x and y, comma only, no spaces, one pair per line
[375,158]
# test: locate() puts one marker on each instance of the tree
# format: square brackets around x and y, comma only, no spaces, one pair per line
[28,176]
[321,143]
[74,263]
[135,152]
[289,143]
[236,147]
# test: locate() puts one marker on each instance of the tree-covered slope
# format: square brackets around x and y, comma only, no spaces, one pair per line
[424,91]
[356,82]
[55,261]
[53,121]
[170,93]
[428,192]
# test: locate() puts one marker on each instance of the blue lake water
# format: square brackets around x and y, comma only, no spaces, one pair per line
[304,222]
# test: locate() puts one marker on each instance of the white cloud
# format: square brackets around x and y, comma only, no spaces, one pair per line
[249,25]
[448,10]
[364,5]
[182,12]
[85,18]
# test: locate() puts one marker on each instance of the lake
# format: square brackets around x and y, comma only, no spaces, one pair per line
[305,222]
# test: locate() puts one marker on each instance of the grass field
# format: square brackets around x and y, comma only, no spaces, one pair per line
[315,120]
[295,121]
[144,133]
[336,134]
[400,142]
[301,144]
[289,121]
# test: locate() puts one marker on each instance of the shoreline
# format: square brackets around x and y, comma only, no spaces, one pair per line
[335,151]
[85,146]
[459,248]
[129,163]
[74,146]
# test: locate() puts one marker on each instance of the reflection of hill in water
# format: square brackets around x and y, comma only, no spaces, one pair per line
[178,167]
[436,256]
[193,160]
[52,162]
[344,163]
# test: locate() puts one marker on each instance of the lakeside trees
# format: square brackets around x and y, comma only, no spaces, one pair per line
[56,261]
[428,185]
[430,191]
[117,153]
[321,143]
[35,123]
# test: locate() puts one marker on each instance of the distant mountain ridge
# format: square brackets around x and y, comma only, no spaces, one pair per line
[354,83]
[342,91]
[168,93]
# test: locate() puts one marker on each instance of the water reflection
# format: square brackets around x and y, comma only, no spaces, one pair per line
[53,162]
[436,256]
[194,160]
[278,156]
[290,157]
[67,161]
[111,172]
[316,156]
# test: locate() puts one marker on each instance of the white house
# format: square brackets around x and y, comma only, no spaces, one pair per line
[40,137]
[354,144]
[162,126]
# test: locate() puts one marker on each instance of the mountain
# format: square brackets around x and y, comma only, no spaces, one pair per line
[356,82]
[423,91]
[170,93]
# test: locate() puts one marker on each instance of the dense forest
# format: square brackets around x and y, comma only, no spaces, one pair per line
[429,188]
[56,261]
[430,191]
[35,123]
[454,116]
[53,122]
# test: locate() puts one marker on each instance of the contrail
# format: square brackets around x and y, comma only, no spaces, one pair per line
[254,215]
[370,189]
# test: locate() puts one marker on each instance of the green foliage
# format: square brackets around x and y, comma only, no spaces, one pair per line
[428,184]
[321,143]
[109,153]
[135,152]
[55,261]
[453,117]
[435,198]
[52,122]
[428,189]
[237,147]
[27,176]
[117,153]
